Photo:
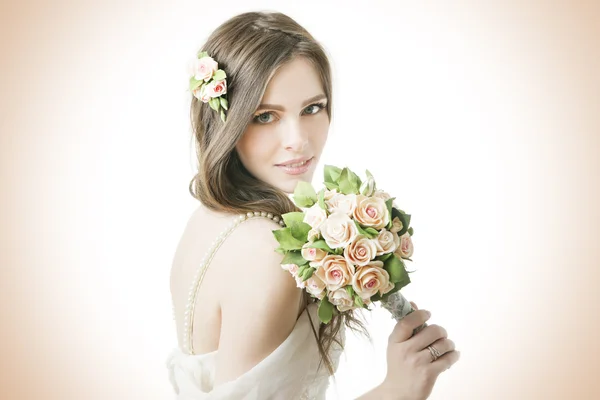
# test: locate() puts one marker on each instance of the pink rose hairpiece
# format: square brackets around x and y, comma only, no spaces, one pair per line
[208,83]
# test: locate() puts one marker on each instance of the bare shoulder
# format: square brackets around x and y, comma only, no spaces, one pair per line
[262,302]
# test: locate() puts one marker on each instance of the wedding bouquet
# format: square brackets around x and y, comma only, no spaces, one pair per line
[348,246]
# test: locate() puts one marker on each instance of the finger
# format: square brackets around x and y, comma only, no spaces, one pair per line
[412,303]
[404,328]
[426,336]
[445,362]
[443,346]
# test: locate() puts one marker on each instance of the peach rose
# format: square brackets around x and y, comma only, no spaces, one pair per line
[335,271]
[315,286]
[293,269]
[341,299]
[386,242]
[370,279]
[371,212]
[345,203]
[216,88]
[310,254]
[338,230]
[315,216]
[406,248]
[203,69]
[361,251]
[396,225]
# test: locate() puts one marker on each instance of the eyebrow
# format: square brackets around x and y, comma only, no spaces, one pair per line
[280,108]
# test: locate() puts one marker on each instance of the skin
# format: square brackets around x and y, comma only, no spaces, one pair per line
[294,124]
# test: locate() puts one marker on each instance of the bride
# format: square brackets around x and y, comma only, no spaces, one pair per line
[245,330]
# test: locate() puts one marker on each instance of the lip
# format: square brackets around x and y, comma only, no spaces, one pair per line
[296,170]
[294,161]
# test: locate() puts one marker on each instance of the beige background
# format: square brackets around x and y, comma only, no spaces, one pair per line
[497,106]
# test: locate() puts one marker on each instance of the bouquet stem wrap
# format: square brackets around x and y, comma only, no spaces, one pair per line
[399,307]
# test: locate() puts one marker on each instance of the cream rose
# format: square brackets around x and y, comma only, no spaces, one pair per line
[380,194]
[345,203]
[367,188]
[335,271]
[315,286]
[406,248]
[310,254]
[341,299]
[314,234]
[329,194]
[338,230]
[216,88]
[386,242]
[203,69]
[201,94]
[315,216]
[370,279]
[396,225]
[371,212]
[361,251]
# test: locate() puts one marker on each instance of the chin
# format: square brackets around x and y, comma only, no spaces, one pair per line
[290,184]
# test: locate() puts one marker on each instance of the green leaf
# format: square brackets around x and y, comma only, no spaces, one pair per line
[358,301]
[294,257]
[202,54]
[300,231]
[346,186]
[395,268]
[338,251]
[305,195]
[372,232]
[354,180]
[331,174]
[214,103]
[366,232]
[224,102]
[219,75]
[325,310]
[389,203]
[281,251]
[195,84]
[350,290]
[320,244]
[321,199]
[293,217]
[331,186]
[384,257]
[223,116]
[410,231]
[308,273]
[286,240]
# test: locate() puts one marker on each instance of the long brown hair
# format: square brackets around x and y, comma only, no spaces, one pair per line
[250,48]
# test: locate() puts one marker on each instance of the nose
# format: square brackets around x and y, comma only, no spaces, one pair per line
[295,137]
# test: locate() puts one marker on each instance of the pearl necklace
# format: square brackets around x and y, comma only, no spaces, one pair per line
[198,277]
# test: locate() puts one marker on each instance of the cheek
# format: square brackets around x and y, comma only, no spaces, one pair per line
[256,148]
[319,130]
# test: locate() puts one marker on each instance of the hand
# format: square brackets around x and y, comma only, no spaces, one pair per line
[411,372]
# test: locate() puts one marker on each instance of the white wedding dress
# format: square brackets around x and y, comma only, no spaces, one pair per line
[290,372]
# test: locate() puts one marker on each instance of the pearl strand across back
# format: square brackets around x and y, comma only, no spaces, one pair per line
[188,327]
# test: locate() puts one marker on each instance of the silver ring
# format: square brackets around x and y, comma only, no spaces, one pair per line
[435,354]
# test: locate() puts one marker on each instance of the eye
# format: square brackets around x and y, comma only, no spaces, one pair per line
[263,118]
[314,108]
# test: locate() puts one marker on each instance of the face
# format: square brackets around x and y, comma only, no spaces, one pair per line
[286,136]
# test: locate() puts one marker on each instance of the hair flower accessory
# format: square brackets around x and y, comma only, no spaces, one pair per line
[208,83]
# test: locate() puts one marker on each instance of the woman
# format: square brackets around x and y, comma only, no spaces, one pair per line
[246,331]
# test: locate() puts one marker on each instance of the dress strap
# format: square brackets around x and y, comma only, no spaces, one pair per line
[199,276]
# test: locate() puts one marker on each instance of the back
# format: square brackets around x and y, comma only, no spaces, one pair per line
[252,336]
[231,277]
